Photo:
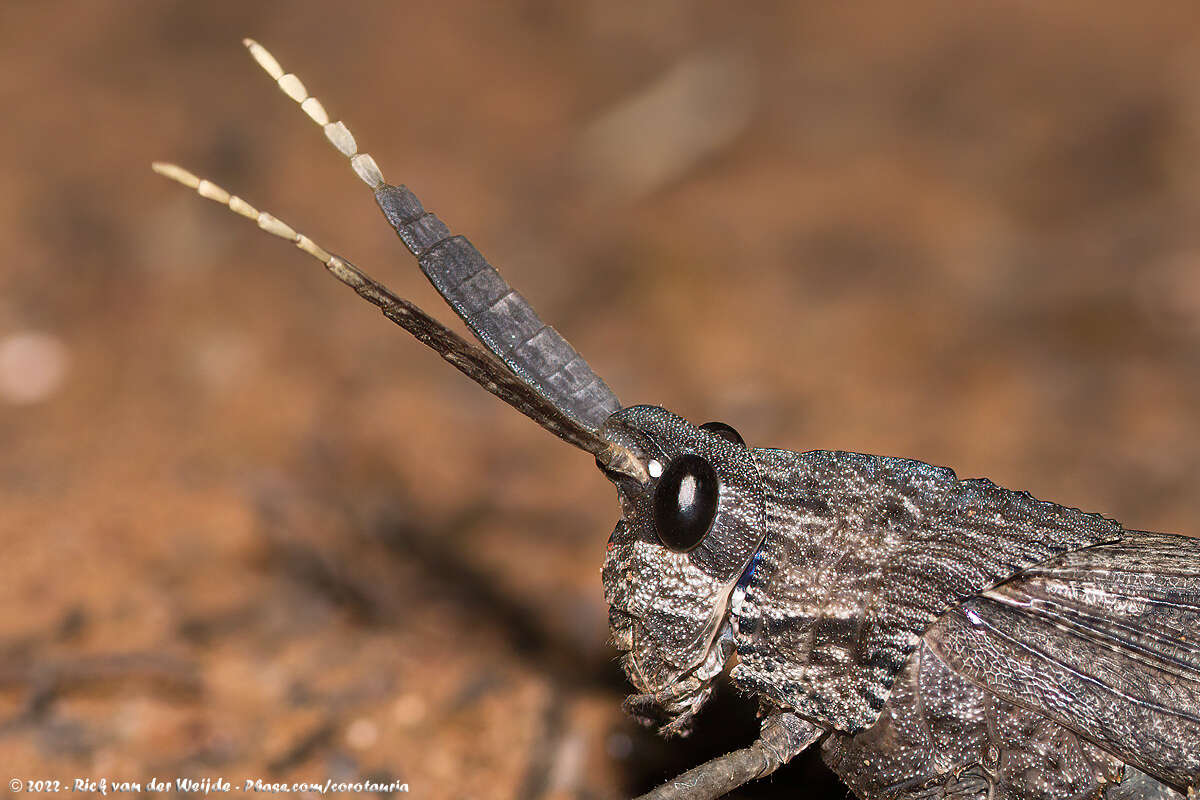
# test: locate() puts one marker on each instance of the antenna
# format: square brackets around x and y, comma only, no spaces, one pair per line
[467,358]
[500,317]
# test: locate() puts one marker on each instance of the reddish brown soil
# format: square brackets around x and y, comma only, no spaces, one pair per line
[257,532]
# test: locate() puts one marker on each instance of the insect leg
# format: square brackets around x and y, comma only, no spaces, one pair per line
[1137,785]
[783,737]
[498,315]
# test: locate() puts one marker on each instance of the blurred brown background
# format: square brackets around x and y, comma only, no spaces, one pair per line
[249,529]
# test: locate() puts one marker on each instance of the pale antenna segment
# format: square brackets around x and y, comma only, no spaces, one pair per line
[336,132]
[344,271]
[467,358]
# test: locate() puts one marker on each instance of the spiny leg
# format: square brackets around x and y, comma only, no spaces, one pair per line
[467,358]
[499,316]
[784,736]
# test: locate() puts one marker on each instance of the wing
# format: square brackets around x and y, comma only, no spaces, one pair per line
[1105,641]
[941,737]
[862,554]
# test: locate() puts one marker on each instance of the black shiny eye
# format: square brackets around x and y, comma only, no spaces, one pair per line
[685,502]
[726,432]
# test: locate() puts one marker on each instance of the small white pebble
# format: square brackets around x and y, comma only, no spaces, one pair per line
[33,366]
[362,734]
[409,710]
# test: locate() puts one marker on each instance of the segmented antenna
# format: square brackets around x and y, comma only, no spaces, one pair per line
[469,359]
[336,132]
[499,316]
[268,222]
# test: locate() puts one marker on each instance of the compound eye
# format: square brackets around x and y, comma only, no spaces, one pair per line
[726,432]
[685,503]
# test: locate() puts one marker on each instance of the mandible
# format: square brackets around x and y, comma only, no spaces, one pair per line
[940,638]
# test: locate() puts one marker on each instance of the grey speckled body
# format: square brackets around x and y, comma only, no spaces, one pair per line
[948,638]
[1045,686]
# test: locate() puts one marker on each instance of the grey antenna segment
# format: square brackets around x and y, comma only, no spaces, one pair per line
[497,314]
[467,358]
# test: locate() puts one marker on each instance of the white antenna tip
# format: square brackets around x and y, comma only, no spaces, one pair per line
[267,221]
[176,173]
[341,138]
[367,169]
[264,58]
[336,132]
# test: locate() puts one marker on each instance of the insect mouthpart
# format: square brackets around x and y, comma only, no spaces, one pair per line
[619,462]
[669,695]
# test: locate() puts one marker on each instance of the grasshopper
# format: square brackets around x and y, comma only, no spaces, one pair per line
[941,638]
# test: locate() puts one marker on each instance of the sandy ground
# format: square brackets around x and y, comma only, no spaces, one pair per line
[249,530]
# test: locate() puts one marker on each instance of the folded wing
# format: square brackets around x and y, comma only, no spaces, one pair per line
[1104,640]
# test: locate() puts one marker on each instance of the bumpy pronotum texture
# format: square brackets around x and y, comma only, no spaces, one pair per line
[949,638]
